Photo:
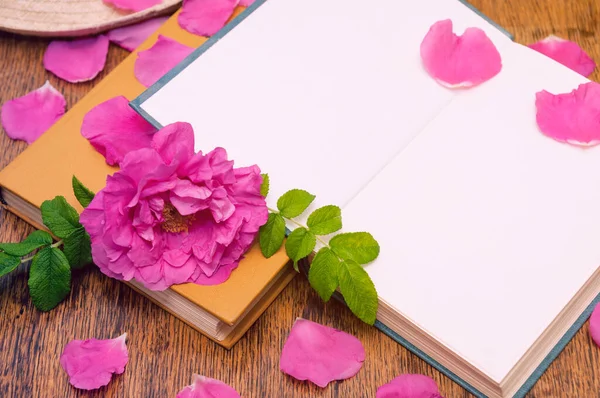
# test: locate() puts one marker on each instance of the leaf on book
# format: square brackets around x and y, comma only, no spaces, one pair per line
[264,187]
[300,244]
[49,278]
[34,241]
[358,290]
[78,248]
[82,193]
[323,273]
[8,263]
[358,246]
[292,203]
[271,235]
[325,220]
[60,217]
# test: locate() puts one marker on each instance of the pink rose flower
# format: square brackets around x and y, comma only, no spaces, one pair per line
[171,216]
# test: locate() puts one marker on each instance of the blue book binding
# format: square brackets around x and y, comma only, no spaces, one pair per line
[137,102]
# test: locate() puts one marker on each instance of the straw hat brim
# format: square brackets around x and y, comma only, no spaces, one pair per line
[70,18]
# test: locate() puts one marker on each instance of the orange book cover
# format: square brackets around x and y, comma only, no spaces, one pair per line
[44,170]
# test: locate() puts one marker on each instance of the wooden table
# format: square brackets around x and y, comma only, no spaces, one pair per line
[164,352]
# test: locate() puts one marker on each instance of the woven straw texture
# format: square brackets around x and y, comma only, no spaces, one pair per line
[67,18]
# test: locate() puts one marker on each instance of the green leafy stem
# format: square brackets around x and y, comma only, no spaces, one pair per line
[338,264]
[50,272]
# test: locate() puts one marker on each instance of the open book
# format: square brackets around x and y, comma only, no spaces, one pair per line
[489,230]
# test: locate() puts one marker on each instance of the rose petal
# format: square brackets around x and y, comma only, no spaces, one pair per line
[155,62]
[320,354]
[246,3]
[91,363]
[132,5]
[205,17]
[27,118]
[77,60]
[459,61]
[115,129]
[409,386]
[205,387]
[595,325]
[130,37]
[571,117]
[567,53]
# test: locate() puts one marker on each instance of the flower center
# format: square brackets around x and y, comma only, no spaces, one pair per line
[173,221]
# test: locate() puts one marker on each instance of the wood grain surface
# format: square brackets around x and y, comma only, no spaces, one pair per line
[164,352]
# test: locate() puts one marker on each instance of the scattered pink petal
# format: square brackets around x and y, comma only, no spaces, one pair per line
[91,363]
[320,354]
[205,387]
[115,129]
[130,37]
[567,53]
[246,3]
[595,325]
[409,386]
[205,17]
[27,118]
[156,61]
[571,117]
[77,60]
[459,61]
[132,5]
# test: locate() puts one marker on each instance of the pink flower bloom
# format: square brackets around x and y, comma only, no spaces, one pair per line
[155,62]
[567,53]
[114,129]
[205,17]
[27,118]
[204,387]
[572,117]
[246,3]
[132,5]
[130,37]
[409,386]
[170,216]
[595,325]
[90,364]
[459,61]
[77,60]
[320,354]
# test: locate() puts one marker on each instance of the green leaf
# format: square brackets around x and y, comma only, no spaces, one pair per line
[264,188]
[292,203]
[82,193]
[60,217]
[8,263]
[300,244]
[358,246]
[323,273]
[325,220]
[271,235]
[358,290]
[49,278]
[78,249]
[34,241]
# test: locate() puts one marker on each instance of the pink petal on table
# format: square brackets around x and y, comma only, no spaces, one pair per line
[115,129]
[132,5]
[572,117]
[320,354]
[205,17]
[130,37]
[409,386]
[205,387]
[595,325]
[91,363]
[76,60]
[27,118]
[159,59]
[567,53]
[459,61]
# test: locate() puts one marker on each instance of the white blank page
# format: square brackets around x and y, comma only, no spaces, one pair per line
[336,83]
[488,228]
